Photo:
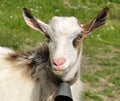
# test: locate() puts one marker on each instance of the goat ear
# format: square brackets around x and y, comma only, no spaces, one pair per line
[97,22]
[34,23]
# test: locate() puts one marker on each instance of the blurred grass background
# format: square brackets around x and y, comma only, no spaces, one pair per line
[101,51]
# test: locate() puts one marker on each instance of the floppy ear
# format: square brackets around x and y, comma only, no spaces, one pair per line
[34,23]
[97,22]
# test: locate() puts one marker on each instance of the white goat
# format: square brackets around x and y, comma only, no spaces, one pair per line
[36,75]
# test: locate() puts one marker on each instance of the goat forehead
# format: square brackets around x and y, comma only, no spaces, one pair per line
[64,25]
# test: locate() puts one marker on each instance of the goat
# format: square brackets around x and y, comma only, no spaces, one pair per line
[36,75]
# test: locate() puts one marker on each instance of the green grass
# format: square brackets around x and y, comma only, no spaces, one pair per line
[93,95]
[101,62]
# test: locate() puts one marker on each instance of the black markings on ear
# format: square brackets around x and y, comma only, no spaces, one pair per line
[97,22]
[34,23]
[27,13]
[101,18]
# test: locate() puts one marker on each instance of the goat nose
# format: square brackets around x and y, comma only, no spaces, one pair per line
[59,61]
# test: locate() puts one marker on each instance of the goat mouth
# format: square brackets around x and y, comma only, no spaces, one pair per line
[60,71]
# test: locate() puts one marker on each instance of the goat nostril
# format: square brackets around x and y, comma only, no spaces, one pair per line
[59,61]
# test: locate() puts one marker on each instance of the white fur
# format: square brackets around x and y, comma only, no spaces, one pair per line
[5,51]
[13,87]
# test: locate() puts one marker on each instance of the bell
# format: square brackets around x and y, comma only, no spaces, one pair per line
[64,93]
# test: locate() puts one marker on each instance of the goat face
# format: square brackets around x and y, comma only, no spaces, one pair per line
[63,55]
[64,36]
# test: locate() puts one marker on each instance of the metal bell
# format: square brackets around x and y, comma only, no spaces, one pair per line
[64,93]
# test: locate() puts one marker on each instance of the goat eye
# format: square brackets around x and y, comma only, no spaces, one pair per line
[48,39]
[77,39]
